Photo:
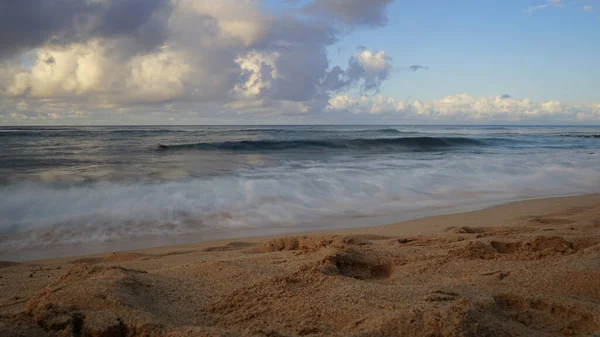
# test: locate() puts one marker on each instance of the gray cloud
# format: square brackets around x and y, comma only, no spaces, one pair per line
[416,67]
[505,96]
[335,79]
[366,69]
[28,24]
[351,12]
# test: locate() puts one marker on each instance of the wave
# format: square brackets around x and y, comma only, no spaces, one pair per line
[83,133]
[36,215]
[316,130]
[406,143]
[72,132]
[390,131]
[582,136]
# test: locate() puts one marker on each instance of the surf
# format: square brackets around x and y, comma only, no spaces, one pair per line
[403,143]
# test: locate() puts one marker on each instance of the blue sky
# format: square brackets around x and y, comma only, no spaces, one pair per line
[487,48]
[300,61]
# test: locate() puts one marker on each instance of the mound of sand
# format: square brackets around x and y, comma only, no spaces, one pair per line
[308,244]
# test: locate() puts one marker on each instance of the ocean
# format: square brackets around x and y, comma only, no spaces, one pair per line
[75,190]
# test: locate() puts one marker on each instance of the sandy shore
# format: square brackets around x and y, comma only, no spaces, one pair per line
[530,268]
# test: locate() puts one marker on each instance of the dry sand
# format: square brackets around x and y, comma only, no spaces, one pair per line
[530,268]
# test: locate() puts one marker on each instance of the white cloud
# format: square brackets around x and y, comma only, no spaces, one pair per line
[373,64]
[560,4]
[466,108]
[75,70]
[557,3]
[535,8]
[158,77]
[259,72]
[370,66]
[355,105]
[462,108]
[549,3]
[87,70]
[268,107]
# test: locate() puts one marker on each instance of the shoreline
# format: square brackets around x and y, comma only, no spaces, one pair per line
[527,268]
[376,224]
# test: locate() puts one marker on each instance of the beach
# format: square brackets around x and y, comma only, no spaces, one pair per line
[528,268]
[299,168]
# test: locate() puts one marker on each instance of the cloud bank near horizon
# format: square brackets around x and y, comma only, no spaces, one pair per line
[464,107]
[79,61]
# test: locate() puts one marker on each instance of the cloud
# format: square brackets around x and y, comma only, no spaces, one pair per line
[89,70]
[416,67]
[259,72]
[33,23]
[535,8]
[229,52]
[350,12]
[366,69]
[549,3]
[99,61]
[466,108]
[560,4]
[371,67]
[462,108]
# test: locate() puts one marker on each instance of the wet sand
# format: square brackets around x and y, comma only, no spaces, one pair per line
[530,268]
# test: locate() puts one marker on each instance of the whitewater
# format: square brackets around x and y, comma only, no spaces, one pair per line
[63,189]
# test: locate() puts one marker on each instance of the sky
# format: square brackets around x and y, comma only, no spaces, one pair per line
[112,62]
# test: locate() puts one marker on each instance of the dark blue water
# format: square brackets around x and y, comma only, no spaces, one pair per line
[76,185]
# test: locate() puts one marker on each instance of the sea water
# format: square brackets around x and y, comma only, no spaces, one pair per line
[65,189]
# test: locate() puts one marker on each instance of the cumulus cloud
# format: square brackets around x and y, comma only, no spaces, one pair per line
[259,72]
[231,53]
[464,107]
[89,69]
[372,67]
[366,69]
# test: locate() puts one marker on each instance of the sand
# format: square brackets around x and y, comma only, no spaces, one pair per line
[530,268]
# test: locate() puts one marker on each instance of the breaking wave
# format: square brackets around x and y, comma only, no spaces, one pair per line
[405,143]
